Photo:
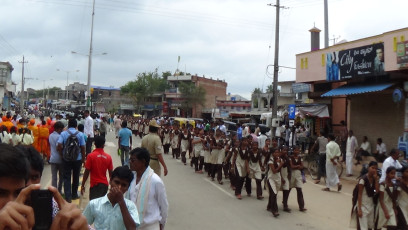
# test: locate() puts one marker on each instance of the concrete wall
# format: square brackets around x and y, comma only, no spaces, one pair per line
[215,90]
[316,68]
[376,115]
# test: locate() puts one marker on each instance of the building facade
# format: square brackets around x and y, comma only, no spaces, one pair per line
[7,87]
[364,82]
[215,90]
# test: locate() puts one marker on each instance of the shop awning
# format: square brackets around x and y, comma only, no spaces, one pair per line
[356,89]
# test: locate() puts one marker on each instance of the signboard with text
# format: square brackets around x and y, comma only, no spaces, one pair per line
[402,54]
[361,61]
[292,111]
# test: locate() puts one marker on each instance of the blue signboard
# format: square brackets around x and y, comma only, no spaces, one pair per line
[292,110]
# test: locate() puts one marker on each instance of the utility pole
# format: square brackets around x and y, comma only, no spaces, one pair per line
[275,68]
[22,87]
[89,100]
[326,24]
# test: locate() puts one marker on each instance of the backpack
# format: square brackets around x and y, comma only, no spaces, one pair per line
[374,195]
[71,147]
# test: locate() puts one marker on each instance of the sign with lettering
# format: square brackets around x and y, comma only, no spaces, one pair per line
[361,61]
[402,54]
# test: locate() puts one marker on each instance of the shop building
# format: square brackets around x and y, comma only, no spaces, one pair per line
[363,82]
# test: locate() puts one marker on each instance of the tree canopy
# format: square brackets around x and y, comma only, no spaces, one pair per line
[145,85]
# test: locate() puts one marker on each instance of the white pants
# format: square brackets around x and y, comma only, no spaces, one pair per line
[332,179]
[349,164]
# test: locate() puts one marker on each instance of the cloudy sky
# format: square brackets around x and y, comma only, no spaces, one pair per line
[224,39]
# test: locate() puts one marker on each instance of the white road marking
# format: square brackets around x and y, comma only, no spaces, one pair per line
[219,188]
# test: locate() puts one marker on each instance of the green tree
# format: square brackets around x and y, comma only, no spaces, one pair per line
[193,96]
[145,85]
[254,98]
[269,89]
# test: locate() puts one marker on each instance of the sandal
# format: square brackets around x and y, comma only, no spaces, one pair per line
[339,187]
[303,209]
[326,189]
[239,197]
[275,214]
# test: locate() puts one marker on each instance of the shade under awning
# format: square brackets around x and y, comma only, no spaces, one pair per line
[356,89]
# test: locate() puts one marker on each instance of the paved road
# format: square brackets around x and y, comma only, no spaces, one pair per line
[198,203]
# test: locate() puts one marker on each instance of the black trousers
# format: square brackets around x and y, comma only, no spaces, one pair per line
[71,188]
[248,186]
[166,148]
[300,200]
[272,202]
[217,169]
[175,152]
[97,191]
[322,166]
[198,163]
[183,157]
[89,143]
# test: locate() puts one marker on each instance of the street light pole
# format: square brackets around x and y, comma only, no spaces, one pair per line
[88,101]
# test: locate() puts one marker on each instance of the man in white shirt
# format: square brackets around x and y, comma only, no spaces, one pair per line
[351,148]
[332,157]
[147,191]
[88,131]
[365,150]
[381,152]
[392,160]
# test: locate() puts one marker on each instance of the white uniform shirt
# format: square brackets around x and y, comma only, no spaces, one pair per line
[382,149]
[366,146]
[88,127]
[351,146]
[387,163]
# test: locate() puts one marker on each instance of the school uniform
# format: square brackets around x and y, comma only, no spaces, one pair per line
[166,140]
[403,205]
[296,181]
[175,148]
[240,158]
[217,159]
[184,145]
[367,221]
[198,157]
[274,184]
[382,222]
[255,172]
[285,173]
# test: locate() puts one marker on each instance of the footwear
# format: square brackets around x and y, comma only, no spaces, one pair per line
[286,209]
[275,214]
[339,187]
[220,182]
[317,181]
[326,189]
[349,175]
[260,197]
[303,209]
[239,197]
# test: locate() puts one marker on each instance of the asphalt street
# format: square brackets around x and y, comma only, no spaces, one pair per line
[195,202]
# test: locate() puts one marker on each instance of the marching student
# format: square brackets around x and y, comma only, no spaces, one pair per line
[255,170]
[206,152]
[184,143]
[296,181]
[403,199]
[274,182]
[240,166]
[233,153]
[165,134]
[175,136]
[198,157]
[362,216]
[286,175]
[386,210]
[217,153]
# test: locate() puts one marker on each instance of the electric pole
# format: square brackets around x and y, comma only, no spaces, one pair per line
[275,69]
[326,24]
[22,87]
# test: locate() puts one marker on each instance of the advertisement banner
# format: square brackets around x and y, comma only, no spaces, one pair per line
[361,61]
[402,54]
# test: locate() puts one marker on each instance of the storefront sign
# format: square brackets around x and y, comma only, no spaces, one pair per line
[361,61]
[402,54]
[300,87]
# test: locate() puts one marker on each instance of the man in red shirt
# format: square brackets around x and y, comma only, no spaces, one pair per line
[97,163]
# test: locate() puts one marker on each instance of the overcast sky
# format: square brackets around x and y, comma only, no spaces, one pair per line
[224,39]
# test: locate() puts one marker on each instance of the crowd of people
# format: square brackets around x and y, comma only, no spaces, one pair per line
[134,195]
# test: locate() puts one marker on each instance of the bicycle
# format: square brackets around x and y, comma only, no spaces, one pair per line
[313,166]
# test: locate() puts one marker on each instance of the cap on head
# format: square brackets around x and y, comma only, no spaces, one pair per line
[153,123]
